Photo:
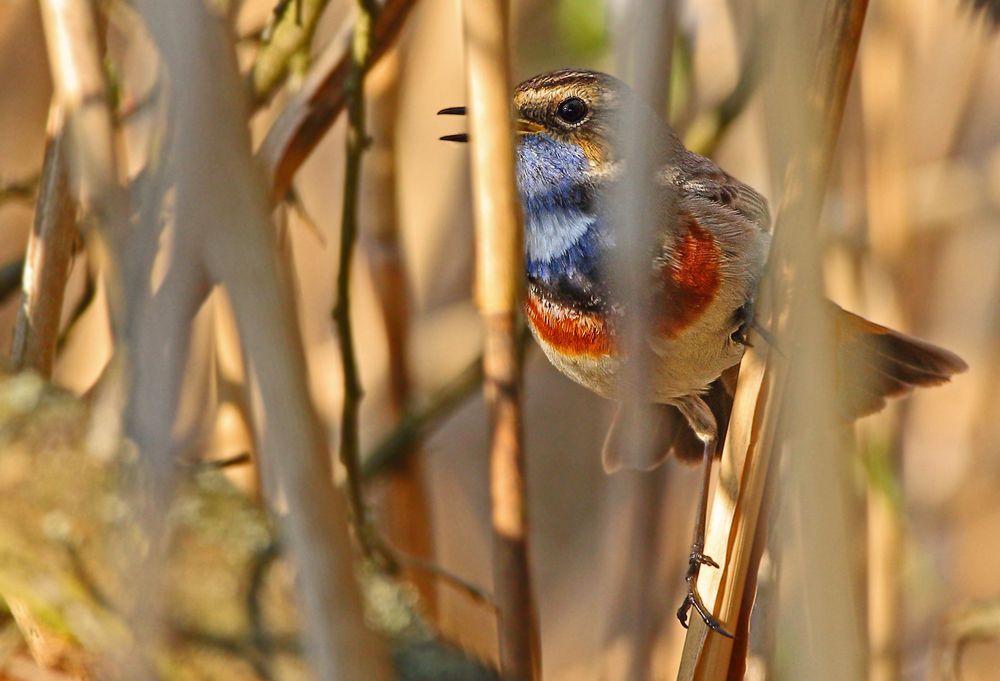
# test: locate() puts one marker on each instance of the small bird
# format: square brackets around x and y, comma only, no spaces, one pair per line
[711,248]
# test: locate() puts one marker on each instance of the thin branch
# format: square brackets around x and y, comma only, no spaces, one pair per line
[708,132]
[350,449]
[49,253]
[414,425]
[316,105]
[475,593]
[499,263]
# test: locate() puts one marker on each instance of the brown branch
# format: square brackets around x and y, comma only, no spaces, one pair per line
[414,425]
[49,253]
[350,426]
[320,100]
[499,262]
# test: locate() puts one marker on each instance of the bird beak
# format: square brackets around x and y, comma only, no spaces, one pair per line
[521,126]
[454,111]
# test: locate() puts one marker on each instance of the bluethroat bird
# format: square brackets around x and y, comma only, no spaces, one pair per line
[710,254]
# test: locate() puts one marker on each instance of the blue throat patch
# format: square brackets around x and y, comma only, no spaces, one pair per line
[563,238]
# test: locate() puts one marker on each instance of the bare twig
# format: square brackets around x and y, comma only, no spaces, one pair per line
[475,593]
[415,423]
[708,132]
[499,256]
[788,299]
[318,103]
[350,450]
[49,252]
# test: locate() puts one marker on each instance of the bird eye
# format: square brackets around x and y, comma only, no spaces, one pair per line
[572,110]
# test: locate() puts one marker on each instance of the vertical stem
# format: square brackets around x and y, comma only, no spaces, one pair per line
[350,451]
[774,392]
[499,265]
[226,226]
[520,647]
[405,505]
[47,261]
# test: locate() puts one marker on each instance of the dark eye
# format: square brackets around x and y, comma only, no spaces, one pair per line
[572,110]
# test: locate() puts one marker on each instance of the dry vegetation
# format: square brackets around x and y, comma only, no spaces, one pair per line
[234,253]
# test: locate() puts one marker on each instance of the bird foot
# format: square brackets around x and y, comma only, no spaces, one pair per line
[693,598]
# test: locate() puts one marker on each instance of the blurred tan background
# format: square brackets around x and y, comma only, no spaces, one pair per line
[913,228]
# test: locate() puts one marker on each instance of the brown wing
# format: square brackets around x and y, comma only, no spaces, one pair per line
[704,179]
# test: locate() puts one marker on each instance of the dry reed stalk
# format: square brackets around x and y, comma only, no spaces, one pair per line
[499,256]
[311,112]
[226,226]
[637,206]
[48,257]
[405,506]
[774,392]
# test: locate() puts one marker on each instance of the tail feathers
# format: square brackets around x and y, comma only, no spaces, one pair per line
[875,363]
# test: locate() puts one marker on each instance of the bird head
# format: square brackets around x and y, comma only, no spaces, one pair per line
[579,107]
[573,107]
[567,122]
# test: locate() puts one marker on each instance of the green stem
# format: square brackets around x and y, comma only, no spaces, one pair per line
[350,455]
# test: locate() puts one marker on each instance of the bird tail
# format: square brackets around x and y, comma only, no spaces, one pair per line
[874,363]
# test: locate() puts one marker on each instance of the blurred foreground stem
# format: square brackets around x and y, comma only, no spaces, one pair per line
[780,401]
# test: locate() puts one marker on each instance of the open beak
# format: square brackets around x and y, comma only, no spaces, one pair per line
[454,111]
[521,125]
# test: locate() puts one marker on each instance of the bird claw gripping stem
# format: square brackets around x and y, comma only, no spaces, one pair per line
[693,598]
